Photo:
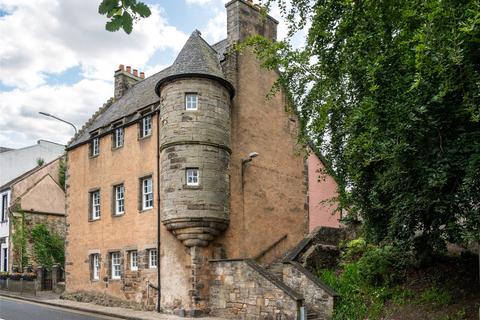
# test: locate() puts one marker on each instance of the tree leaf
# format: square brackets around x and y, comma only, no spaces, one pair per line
[127,22]
[142,9]
[114,24]
[106,6]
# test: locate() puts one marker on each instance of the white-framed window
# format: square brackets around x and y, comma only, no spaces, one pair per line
[133,260]
[116,267]
[95,147]
[191,101]
[192,178]
[95,266]
[4,208]
[152,258]
[119,191]
[118,137]
[95,202]
[147,193]
[146,126]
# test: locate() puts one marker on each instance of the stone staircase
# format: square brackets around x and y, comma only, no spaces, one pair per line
[284,289]
[319,249]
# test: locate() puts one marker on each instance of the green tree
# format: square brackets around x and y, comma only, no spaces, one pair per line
[123,13]
[389,91]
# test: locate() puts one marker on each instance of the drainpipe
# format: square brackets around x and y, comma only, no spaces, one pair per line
[158,208]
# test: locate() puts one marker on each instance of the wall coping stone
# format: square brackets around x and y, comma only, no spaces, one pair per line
[313,278]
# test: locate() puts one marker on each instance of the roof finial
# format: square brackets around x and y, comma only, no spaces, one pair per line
[197,32]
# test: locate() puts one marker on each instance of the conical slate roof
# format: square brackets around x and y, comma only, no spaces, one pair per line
[196,58]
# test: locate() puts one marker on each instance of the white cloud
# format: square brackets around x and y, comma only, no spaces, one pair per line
[44,36]
[20,119]
[216,28]
[198,2]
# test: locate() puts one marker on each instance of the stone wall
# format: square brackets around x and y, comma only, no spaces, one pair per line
[241,289]
[319,298]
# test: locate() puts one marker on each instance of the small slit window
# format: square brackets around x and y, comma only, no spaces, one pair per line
[191,101]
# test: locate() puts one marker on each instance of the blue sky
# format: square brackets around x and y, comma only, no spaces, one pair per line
[57,57]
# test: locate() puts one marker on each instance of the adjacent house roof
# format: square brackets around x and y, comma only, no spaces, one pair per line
[10,183]
[197,58]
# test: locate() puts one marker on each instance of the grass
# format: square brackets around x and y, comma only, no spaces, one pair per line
[446,290]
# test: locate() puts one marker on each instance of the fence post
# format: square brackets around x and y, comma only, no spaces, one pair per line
[21,286]
[55,269]
[39,278]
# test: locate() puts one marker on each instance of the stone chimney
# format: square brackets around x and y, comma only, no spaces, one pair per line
[124,79]
[244,18]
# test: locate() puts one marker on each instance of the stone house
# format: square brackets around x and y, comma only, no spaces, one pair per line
[35,197]
[187,183]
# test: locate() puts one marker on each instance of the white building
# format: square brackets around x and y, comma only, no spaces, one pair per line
[14,162]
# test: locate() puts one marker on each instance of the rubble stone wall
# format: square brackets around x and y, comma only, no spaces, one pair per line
[239,291]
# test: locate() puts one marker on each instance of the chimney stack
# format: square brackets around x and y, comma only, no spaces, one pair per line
[124,79]
[245,18]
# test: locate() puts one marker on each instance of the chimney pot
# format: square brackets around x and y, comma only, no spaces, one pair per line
[135,72]
[142,75]
[129,69]
[121,67]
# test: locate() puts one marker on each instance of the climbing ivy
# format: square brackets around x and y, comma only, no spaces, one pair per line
[48,247]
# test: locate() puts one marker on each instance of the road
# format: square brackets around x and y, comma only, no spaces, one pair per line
[13,309]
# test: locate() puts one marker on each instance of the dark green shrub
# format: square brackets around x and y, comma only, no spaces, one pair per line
[384,265]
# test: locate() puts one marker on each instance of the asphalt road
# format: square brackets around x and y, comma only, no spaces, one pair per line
[13,309]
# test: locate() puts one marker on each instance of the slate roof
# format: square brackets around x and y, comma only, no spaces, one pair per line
[197,57]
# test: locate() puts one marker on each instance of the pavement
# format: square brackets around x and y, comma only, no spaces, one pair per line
[49,299]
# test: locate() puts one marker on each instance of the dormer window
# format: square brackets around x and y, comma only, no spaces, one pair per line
[191,101]
[95,145]
[146,126]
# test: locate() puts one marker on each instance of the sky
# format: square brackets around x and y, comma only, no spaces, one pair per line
[57,57]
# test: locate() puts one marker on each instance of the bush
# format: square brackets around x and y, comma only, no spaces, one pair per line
[384,265]
[354,250]
[29,276]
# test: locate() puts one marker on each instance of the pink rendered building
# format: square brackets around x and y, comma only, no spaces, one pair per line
[321,187]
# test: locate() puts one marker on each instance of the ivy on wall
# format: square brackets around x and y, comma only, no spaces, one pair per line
[48,247]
